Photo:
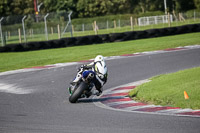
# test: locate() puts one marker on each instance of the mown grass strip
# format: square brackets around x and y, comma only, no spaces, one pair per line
[169,89]
[18,60]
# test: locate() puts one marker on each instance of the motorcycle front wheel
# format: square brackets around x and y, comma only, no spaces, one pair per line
[78,92]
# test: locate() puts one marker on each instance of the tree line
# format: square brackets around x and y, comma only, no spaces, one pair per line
[93,8]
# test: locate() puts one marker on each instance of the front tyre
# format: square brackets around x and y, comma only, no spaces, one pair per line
[78,92]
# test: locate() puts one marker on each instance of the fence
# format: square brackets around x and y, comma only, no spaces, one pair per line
[35,28]
[19,29]
[154,20]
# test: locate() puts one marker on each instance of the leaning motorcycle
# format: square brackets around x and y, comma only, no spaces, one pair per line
[82,89]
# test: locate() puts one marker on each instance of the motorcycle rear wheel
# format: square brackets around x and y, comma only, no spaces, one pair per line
[78,92]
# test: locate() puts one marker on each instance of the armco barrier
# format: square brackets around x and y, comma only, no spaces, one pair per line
[116,37]
[104,38]
[96,39]
[69,41]
[172,31]
[153,33]
[194,28]
[131,35]
[84,40]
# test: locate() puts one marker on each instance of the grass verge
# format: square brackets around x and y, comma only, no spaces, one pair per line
[169,89]
[18,60]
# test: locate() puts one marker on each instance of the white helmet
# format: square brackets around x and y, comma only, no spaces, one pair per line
[99,58]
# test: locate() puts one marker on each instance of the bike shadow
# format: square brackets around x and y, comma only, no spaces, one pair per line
[101,99]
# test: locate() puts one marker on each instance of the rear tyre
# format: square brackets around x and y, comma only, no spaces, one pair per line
[77,92]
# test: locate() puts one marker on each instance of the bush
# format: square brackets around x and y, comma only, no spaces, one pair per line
[156,13]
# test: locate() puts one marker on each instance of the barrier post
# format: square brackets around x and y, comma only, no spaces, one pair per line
[73,29]
[119,24]
[107,25]
[2,42]
[45,21]
[24,31]
[52,30]
[169,20]
[131,20]
[136,22]
[83,27]
[165,5]
[59,36]
[70,25]
[20,38]
[95,27]
[115,24]
[8,34]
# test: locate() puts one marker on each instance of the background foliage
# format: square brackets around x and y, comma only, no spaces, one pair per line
[93,8]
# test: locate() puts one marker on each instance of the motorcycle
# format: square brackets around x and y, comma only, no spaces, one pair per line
[83,88]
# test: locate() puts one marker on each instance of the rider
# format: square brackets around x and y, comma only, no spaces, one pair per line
[99,69]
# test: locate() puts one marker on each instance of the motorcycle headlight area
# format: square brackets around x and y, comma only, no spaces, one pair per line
[88,74]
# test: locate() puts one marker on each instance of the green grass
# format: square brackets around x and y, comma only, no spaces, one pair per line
[17,60]
[169,89]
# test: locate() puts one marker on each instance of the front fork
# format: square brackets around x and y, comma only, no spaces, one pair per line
[86,76]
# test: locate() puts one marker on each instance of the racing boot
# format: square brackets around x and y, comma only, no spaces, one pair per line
[96,92]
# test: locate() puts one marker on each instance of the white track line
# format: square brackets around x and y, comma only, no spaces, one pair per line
[118,103]
[174,111]
[118,91]
[133,108]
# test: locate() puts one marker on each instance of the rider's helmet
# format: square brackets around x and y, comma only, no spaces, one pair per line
[100,67]
[99,58]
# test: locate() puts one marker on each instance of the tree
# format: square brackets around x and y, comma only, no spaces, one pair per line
[50,5]
[197,4]
[92,8]
[119,6]
[5,9]
[67,5]
[89,8]
[28,9]
[142,6]
[184,5]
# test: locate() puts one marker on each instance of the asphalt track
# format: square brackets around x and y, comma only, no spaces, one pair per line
[37,101]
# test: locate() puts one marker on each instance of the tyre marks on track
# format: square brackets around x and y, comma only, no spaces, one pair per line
[13,89]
